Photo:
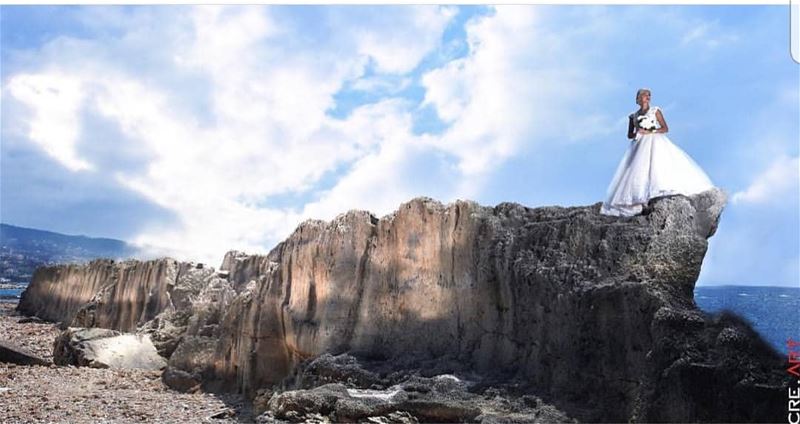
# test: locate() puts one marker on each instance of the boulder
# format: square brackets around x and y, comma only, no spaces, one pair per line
[409,398]
[102,348]
[13,354]
[180,380]
[188,365]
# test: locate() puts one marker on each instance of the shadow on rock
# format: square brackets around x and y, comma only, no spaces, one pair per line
[341,389]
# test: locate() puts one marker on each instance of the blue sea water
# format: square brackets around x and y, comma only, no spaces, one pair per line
[11,292]
[773,311]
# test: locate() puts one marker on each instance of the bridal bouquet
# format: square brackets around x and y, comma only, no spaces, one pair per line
[647,123]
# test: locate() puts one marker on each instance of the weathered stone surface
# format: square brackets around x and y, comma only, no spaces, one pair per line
[160,297]
[180,380]
[408,397]
[586,307]
[115,295]
[199,297]
[13,354]
[57,292]
[103,348]
[344,368]
[594,313]
[143,292]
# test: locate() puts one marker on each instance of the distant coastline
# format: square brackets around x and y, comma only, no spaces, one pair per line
[23,250]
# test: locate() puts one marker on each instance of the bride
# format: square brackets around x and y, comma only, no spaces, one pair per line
[653,166]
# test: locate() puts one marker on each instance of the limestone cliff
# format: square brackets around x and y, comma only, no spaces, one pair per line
[594,313]
[57,292]
[108,294]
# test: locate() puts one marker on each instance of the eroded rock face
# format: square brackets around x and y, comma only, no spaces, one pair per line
[589,309]
[135,294]
[104,293]
[157,299]
[339,389]
[594,313]
[57,292]
[115,295]
[508,287]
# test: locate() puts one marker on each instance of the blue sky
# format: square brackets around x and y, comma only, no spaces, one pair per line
[195,130]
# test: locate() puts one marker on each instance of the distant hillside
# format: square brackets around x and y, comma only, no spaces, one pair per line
[22,250]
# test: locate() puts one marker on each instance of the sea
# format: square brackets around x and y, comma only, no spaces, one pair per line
[773,311]
[10,292]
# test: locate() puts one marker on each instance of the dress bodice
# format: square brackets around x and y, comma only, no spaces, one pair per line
[650,115]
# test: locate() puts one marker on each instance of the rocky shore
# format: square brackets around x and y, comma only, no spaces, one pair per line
[436,313]
[82,395]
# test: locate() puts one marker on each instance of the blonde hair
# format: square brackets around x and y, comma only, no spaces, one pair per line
[640,92]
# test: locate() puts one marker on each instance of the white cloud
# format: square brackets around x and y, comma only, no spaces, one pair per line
[517,86]
[55,100]
[265,131]
[779,183]
[378,181]
[229,106]
[416,31]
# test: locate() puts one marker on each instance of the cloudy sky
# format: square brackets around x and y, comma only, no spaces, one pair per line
[195,130]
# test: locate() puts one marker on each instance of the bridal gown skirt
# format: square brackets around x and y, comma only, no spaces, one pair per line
[652,167]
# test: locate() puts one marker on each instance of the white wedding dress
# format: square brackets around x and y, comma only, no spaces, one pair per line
[652,167]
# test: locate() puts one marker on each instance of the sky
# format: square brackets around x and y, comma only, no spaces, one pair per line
[192,131]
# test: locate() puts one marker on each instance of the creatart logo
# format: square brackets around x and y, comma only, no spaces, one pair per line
[793,415]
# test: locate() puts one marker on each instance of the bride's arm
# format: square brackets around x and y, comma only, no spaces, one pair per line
[631,128]
[661,122]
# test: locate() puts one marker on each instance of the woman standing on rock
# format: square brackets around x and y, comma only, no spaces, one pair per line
[653,166]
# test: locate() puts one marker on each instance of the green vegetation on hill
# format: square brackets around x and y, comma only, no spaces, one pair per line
[22,250]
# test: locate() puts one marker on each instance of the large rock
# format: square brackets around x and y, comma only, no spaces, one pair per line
[196,307]
[115,295]
[14,354]
[591,310]
[57,292]
[595,313]
[102,348]
[399,397]
[159,298]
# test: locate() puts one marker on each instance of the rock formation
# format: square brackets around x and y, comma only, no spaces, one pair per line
[14,354]
[102,348]
[57,292]
[593,313]
[107,294]
[339,389]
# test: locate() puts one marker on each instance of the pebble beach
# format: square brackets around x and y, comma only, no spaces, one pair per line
[77,395]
